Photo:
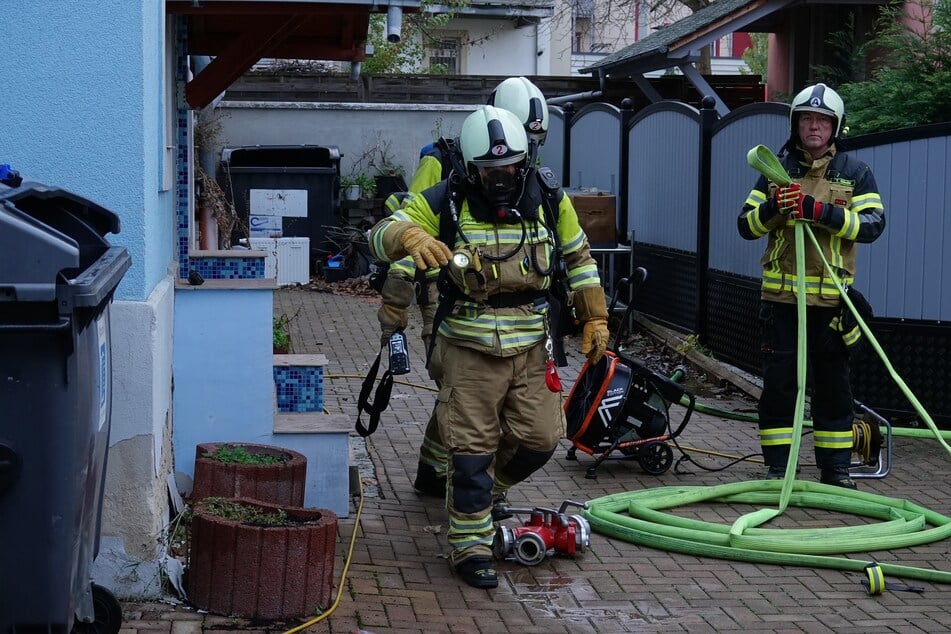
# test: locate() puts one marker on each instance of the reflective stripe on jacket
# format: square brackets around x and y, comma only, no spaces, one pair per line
[498,331]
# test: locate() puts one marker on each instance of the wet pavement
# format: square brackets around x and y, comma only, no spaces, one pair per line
[399,579]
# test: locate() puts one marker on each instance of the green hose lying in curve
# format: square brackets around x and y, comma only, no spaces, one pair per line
[638,516]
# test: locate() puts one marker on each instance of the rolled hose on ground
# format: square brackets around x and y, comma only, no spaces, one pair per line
[638,517]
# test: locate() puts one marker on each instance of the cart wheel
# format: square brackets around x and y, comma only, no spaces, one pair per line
[108,614]
[572,453]
[655,457]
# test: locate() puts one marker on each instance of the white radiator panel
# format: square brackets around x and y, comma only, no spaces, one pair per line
[288,259]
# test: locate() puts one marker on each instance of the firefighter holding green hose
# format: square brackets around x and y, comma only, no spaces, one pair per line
[837,195]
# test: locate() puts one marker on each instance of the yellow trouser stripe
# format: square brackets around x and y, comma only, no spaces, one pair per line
[465,533]
[833,439]
[776,436]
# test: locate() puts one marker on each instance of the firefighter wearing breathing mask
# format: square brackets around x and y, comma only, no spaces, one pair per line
[497,415]
[523,98]
[837,195]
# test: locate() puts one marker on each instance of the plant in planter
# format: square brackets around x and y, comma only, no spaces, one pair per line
[358,185]
[260,472]
[390,175]
[259,560]
[379,160]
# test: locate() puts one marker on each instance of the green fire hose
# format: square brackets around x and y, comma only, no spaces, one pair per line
[638,516]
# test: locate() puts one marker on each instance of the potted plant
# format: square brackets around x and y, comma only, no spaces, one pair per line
[390,179]
[260,472]
[358,185]
[390,176]
[259,560]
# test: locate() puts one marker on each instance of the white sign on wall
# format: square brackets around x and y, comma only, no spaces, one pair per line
[279,202]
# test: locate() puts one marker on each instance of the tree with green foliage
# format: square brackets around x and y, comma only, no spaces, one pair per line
[755,56]
[911,81]
[418,33]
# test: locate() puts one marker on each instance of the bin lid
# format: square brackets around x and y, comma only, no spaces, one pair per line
[50,237]
[281,156]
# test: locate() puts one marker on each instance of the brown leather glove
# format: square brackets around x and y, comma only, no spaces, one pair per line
[592,310]
[426,250]
[594,339]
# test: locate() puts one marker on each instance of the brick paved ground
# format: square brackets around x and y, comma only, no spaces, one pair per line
[399,580]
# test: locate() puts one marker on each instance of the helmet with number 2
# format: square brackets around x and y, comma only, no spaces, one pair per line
[522,97]
[491,137]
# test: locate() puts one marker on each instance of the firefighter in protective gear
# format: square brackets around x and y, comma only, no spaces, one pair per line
[521,97]
[499,420]
[837,195]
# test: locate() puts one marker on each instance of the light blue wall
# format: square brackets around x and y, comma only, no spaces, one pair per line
[223,393]
[81,109]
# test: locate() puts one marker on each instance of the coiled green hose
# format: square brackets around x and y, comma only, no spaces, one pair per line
[638,517]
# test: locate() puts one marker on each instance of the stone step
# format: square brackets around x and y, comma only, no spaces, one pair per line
[311,423]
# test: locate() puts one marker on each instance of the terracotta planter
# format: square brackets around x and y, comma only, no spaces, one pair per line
[281,483]
[262,572]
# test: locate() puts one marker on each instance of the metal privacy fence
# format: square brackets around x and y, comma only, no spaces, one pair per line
[681,177]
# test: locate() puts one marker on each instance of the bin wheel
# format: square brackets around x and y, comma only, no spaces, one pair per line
[108,614]
[655,457]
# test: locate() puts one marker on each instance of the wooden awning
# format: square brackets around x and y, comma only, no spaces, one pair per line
[238,33]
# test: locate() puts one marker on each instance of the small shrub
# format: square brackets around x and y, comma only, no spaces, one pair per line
[239,454]
[282,335]
[246,514]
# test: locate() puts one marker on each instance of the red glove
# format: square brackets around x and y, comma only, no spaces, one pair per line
[808,209]
[787,198]
[790,201]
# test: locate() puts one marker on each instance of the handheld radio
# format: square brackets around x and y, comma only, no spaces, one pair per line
[399,354]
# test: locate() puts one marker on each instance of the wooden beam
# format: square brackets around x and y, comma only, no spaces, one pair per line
[188,7]
[240,55]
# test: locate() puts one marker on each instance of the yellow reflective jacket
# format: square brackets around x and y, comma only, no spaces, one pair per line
[524,270]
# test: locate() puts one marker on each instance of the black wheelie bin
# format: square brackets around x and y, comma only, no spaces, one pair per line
[57,278]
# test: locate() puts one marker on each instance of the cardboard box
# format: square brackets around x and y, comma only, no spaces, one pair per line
[597,212]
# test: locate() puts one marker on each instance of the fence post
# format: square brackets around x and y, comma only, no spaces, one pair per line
[708,117]
[627,113]
[569,111]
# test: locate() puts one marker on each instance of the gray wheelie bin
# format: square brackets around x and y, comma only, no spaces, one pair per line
[57,278]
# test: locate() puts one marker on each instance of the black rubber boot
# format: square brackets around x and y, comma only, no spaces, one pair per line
[478,572]
[428,482]
[775,473]
[838,476]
